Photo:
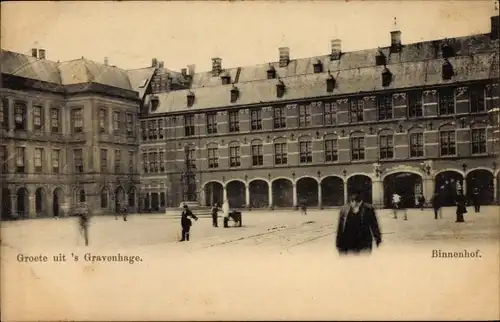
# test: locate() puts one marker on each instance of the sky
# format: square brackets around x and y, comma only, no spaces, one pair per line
[245,33]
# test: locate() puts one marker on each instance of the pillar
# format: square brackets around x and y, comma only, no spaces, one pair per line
[320,197]
[224,193]
[247,196]
[13,206]
[377,192]
[202,198]
[294,191]
[31,206]
[345,192]
[270,196]
[428,188]
[495,191]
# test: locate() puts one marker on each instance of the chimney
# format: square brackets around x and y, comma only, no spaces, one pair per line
[495,30]
[154,62]
[34,52]
[216,66]
[41,53]
[161,64]
[284,56]
[336,49]
[106,61]
[395,39]
[191,69]
[184,71]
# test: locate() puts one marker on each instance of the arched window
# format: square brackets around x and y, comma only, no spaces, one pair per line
[81,196]
[357,141]
[104,198]
[386,144]
[447,140]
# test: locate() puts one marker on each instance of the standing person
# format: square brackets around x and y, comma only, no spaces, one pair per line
[396,205]
[357,227]
[475,200]
[303,207]
[83,221]
[421,202]
[436,205]
[461,203]
[214,211]
[186,222]
[125,211]
[225,212]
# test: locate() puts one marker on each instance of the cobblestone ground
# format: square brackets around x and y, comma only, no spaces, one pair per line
[279,265]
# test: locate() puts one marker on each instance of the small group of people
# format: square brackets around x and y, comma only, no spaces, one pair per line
[215,212]
[461,202]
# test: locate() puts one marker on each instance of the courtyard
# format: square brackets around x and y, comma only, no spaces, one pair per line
[279,265]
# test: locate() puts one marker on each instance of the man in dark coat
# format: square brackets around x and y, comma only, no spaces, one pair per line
[461,202]
[357,227]
[475,200]
[436,205]
[83,222]
[186,222]
[214,211]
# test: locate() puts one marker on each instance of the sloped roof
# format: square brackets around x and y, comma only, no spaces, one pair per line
[29,67]
[87,71]
[348,81]
[140,79]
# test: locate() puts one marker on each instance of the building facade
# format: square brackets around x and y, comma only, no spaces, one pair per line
[405,118]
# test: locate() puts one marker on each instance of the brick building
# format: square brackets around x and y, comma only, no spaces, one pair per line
[406,118]
[69,133]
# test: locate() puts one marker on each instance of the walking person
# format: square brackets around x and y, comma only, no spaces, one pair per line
[475,200]
[357,227]
[125,212]
[214,211]
[397,204]
[83,222]
[421,202]
[186,222]
[436,205]
[461,203]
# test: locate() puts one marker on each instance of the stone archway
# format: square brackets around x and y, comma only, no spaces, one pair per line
[6,204]
[22,207]
[236,194]
[332,192]
[307,192]
[282,193]
[104,198]
[407,185]
[40,202]
[361,184]
[57,201]
[483,181]
[259,194]
[214,193]
[446,184]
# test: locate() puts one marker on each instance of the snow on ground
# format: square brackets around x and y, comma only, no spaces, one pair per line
[280,265]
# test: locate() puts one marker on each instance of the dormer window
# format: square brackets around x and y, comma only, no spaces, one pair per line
[155,102]
[386,77]
[380,59]
[330,83]
[271,73]
[447,70]
[226,79]
[447,50]
[280,89]
[318,67]
[235,93]
[190,99]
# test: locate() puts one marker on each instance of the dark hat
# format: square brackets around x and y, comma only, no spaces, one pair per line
[185,206]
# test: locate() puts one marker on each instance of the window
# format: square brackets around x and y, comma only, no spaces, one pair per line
[152,130]
[318,67]
[4,166]
[77,120]
[280,153]
[81,196]
[116,122]
[304,115]
[416,145]
[78,159]
[38,118]
[384,107]
[153,161]
[477,99]
[271,73]
[329,114]
[478,141]
[257,154]
[415,108]
[386,147]
[130,124]
[144,131]
[188,125]
[162,161]
[256,119]
[160,128]
[38,160]
[305,149]
[213,158]
[104,198]
[5,113]
[211,123]
[55,161]
[104,160]
[234,121]
[447,139]
[131,162]
[103,120]
[118,161]
[226,80]
[145,163]
[357,148]
[234,156]
[20,160]
[190,158]
[356,111]
[20,115]
[279,117]
[55,120]
[331,150]
[447,101]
